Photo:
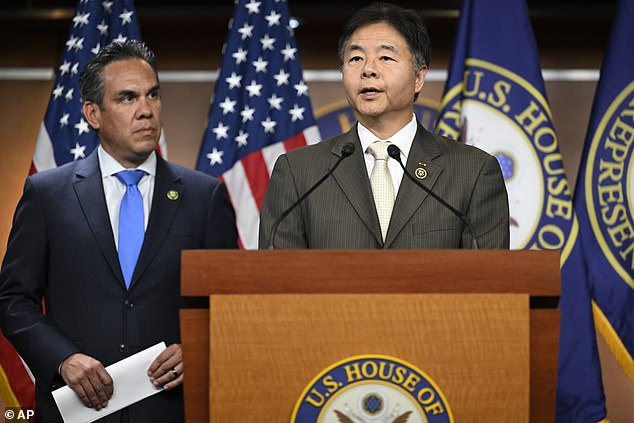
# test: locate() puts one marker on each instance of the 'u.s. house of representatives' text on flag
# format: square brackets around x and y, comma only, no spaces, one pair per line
[495,99]
[65,136]
[260,108]
[599,290]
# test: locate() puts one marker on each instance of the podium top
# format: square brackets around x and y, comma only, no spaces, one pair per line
[211,272]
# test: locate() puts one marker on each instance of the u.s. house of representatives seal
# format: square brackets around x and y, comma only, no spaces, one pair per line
[507,116]
[609,184]
[372,389]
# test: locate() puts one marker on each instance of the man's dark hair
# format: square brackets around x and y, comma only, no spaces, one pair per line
[91,83]
[407,22]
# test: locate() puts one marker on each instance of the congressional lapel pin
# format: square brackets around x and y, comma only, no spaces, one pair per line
[421,172]
[172,195]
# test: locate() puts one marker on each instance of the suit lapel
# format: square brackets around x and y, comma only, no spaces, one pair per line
[410,197]
[88,187]
[167,197]
[351,177]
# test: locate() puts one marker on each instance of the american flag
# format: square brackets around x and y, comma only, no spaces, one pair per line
[260,109]
[65,135]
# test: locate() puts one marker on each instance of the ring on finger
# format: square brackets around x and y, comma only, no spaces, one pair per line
[174,372]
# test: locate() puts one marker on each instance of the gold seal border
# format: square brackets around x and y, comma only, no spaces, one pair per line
[366,357]
[589,189]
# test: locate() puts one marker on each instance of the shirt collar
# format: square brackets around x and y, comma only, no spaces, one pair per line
[402,139]
[109,166]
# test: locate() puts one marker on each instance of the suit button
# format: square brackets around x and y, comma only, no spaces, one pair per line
[129,305]
[121,348]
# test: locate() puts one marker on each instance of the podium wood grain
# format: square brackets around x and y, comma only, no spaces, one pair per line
[217,273]
[475,347]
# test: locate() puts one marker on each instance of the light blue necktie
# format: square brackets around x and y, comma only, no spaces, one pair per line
[131,223]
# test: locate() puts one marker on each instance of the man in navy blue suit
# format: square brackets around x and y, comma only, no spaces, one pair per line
[63,249]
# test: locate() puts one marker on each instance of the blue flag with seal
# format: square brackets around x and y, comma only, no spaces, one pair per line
[598,280]
[495,99]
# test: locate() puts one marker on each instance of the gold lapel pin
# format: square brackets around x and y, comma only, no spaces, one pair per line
[420,173]
[172,195]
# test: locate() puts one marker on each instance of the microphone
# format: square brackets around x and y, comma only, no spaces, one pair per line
[395,153]
[346,150]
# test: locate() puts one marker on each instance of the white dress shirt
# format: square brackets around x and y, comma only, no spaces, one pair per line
[115,189]
[402,139]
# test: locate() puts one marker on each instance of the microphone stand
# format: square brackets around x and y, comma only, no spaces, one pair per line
[346,151]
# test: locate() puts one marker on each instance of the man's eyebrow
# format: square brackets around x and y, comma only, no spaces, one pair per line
[126,93]
[389,47]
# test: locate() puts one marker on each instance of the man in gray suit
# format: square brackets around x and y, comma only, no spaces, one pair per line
[384,51]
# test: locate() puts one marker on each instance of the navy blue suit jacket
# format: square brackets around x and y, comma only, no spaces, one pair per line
[61,248]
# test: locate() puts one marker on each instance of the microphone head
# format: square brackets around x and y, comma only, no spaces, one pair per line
[347,149]
[394,152]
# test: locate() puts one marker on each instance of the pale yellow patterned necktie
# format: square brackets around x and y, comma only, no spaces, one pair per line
[381,182]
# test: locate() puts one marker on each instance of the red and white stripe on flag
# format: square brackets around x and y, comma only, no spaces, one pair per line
[247,181]
[261,108]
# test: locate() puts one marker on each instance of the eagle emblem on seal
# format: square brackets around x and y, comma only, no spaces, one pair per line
[345,419]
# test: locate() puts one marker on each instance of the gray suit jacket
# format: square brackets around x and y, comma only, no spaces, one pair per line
[341,213]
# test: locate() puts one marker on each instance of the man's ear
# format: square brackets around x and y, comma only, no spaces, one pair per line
[92,113]
[420,79]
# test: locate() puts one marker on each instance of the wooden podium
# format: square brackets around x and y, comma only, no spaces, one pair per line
[260,325]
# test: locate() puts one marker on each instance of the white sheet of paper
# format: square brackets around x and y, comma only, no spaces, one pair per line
[131,384]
